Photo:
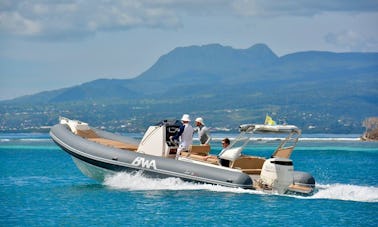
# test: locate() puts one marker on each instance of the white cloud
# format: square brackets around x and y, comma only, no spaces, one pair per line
[351,40]
[300,7]
[81,18]
[13,22]
[76,18]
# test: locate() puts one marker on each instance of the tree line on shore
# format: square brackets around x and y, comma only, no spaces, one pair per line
[371,126]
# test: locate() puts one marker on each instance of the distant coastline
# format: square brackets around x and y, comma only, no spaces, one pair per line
[217,137]
[237,86]
[371,133]
[370,136]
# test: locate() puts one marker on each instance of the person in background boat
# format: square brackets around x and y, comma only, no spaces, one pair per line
[184,135]
[203,132]
[225,144]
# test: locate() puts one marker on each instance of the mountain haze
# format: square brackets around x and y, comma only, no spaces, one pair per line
[227,86]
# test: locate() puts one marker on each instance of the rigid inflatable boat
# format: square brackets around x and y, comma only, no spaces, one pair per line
[98,153]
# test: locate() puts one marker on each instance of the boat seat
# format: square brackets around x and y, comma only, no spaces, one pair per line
[204,158]
[86,133]
[199,150]
[209,159]
[201,153]
[212,159]
[116,144]
[248,164]
[283,152]
[251,171]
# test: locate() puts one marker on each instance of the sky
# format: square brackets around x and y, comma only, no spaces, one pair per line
[47,45]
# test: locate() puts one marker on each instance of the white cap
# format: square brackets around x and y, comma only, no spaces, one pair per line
[200,120]
[185,117]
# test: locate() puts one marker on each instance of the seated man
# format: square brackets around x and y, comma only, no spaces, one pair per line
[222,162]
[225,144]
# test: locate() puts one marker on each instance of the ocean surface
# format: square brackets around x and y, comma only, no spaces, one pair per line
[41,186]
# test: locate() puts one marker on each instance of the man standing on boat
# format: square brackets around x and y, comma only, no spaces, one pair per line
[203,132]
[185,134]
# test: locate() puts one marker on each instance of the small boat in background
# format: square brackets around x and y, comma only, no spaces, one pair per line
[98,153]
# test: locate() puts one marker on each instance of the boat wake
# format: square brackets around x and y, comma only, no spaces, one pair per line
[138,182]
[347,192]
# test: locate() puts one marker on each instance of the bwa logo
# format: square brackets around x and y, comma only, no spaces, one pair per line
[148,164]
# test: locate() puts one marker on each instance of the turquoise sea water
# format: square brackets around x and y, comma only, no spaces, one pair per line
[41,186]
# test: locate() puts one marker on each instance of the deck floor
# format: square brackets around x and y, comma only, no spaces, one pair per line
[116,144]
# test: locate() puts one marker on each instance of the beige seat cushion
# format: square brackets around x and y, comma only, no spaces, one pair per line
[199,149]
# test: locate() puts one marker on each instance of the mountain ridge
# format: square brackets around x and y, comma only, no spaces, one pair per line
[161,72]
[215,81]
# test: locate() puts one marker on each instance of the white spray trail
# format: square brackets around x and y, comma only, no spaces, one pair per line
[137,182]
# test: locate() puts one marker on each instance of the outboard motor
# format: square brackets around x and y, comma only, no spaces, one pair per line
[277,174]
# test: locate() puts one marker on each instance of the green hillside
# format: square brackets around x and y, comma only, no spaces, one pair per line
[321,92]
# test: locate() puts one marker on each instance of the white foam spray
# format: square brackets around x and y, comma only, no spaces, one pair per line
[137,182]
[347,192]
